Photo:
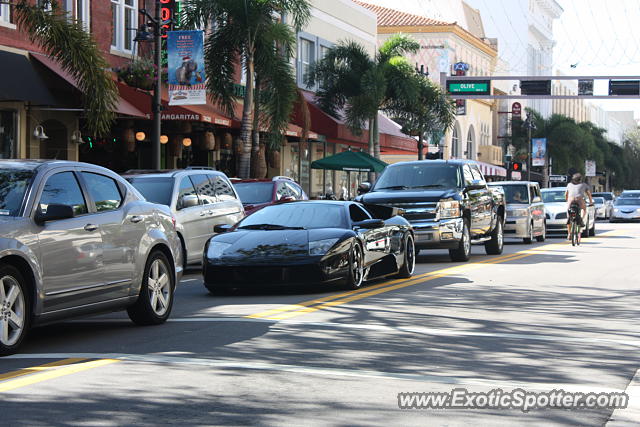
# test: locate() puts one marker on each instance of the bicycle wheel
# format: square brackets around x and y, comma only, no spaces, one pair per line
[574,233]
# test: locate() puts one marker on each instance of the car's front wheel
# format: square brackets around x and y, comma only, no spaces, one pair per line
[356,267]
[495,246]
[409,264]
[155,300]
[463,252]
[14,309]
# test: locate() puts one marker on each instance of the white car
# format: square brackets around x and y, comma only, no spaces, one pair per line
[626,209]
[555,206]
[601,207]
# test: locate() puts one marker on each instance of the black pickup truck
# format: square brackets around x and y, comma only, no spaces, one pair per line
[447,202]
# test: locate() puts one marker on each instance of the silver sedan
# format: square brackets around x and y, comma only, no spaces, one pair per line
[77,239]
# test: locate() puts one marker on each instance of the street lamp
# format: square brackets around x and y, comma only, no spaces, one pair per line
[529,125]
[152,31]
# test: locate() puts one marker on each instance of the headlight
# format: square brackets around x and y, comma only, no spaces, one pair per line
[216,249]
[518,212]
[449,209]
[616,210]
[321,247]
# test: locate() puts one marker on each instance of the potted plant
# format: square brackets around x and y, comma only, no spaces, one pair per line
[138,73]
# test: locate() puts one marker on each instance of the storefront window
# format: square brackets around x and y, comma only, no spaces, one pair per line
[8,135]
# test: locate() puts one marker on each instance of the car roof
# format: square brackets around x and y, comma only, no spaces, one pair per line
[455,162]
[43,164]
[170,173]
[497,183]
[554,189]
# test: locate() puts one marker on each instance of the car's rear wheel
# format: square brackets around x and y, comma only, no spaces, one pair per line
[463,252]
[356,267]
[409,264]
[15,309]
[495,246]
[155,300]
[543,236]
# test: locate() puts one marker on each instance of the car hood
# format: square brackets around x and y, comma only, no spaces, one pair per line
[261,245]
[555,207]
[627,207]
[406,196]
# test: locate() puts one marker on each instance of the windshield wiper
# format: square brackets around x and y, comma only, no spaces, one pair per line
[393,187]
[269,227]
[429,186]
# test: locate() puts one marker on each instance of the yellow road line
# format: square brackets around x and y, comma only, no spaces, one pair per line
[54,373]
[27,371]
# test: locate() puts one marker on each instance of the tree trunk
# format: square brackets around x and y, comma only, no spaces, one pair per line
[244,167]
[420,147]
[372,175]
[255,134]
[376,141]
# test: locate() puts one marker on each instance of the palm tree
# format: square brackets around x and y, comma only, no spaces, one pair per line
[431,110]
[356,86]
[249,32]
[67,42]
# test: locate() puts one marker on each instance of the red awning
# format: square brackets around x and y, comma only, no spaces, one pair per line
[123,107]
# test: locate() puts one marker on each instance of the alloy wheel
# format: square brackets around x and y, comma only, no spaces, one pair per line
[411,255]
[466,241]
[358,269]
[12,311]
[159,285]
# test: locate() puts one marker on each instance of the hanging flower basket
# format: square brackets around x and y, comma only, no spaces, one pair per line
[139,74]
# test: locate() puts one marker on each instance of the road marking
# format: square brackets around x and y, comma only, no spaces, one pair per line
[54,373]
[27,371]
[305,307]
[324,371]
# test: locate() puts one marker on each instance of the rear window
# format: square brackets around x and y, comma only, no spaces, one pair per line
[13,187]
[156,190]
[254,193]
[516,193]
[606,196]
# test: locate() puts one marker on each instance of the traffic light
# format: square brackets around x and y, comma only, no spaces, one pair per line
[535,87]
[515,166]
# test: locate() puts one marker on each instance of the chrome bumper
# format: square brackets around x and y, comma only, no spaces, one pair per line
[516,227]
[445,233]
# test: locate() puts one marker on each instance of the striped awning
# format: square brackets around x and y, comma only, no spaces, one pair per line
[492,170]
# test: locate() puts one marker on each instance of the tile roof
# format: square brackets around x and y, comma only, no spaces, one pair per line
[395,18]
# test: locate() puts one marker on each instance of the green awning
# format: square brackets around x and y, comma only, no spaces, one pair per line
[350,161]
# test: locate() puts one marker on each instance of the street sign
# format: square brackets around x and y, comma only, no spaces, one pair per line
[590,167]
[482,87]
[516,109]
[557,178]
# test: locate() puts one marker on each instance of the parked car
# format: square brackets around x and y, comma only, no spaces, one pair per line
[199,200]
[626,209]
[313,241]
[77,239]
[555,206]
[609,198]
[627,194]
[525,210]
[255,194]
[601,207]
[448,203]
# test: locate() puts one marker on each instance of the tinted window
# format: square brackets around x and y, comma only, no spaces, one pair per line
[63,189]
[516,193]
[156,190]
[627,202]
[598,200]
[358,214]
[104,191]
[204,188]
[553,196]
[13,187]
[222,188]
[307,215]
[606,196]
[418,176]
[293,188]
[468,176]
[477,174]
[255,192]
[635,194]
[283,191]
[185,188]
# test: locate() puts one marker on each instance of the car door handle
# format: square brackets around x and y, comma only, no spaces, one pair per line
[90,227]
[136,219]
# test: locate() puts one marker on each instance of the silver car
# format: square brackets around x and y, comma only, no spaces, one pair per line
[601,207]
[77,239]
[626,209]
[200,199]
[555,206]
[525,210]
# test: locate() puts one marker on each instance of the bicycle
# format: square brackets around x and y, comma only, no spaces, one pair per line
[574,222]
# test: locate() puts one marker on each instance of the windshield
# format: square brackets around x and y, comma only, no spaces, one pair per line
[598,200]
[13,186]
[606,196]
[419,176]
[634,194]
[297,215]
[627,202]
[516,193]
[253,193]
[553,196]
[156,190]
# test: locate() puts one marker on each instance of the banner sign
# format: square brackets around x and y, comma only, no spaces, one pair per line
[185,51]
[538,151]
[590,167]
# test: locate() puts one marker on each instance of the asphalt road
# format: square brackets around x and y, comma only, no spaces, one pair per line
[540,317]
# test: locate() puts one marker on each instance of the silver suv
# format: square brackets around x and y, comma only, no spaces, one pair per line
[199,199]
[78,239]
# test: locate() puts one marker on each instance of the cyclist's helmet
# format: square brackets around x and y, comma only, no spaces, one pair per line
[576,178]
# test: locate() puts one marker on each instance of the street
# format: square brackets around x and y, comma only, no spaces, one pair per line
[539,317]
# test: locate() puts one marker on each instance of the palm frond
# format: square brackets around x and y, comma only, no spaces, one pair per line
[77,53]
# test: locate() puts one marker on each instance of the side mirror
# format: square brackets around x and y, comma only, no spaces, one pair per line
[54,213]
[188,201]
[365,187]
[476,184]
[369,224]
[222,228]
[286,199]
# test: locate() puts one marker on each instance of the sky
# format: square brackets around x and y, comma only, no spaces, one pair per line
[598,37]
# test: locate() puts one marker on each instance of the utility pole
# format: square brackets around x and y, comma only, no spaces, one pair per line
[529,125]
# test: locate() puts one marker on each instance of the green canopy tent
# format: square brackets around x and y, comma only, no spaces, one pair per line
[350,161]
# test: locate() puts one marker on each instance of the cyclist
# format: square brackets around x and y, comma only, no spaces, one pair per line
[577,192]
